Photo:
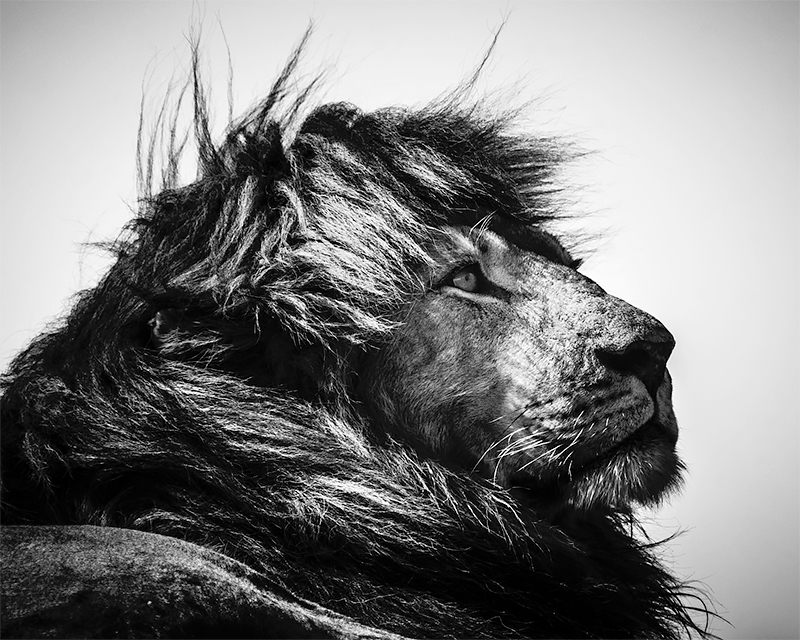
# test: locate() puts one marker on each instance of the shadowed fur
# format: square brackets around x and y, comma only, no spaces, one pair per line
[211,387]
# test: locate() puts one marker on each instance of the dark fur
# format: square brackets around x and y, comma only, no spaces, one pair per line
[208,387]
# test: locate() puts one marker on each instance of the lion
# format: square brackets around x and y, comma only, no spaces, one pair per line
[347,383]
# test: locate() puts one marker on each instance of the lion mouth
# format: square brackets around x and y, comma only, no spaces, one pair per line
[637,468]
[651,433]
[641,437]
[648,434]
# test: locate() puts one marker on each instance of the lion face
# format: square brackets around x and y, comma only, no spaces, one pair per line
[517,367]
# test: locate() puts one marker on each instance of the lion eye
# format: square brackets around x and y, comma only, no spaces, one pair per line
[466,279]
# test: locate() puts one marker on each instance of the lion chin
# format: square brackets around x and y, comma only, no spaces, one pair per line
[347,383]
[642,469]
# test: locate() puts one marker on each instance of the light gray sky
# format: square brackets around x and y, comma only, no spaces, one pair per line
[694,108]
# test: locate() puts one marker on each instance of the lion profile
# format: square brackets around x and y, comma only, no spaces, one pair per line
[350,365]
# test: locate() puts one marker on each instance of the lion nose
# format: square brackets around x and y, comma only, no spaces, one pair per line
[646,359]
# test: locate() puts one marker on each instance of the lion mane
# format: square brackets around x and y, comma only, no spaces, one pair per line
[210,387]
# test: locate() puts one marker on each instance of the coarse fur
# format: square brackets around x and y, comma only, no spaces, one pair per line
[350,356]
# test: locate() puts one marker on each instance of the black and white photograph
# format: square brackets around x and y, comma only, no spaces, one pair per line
[400,319]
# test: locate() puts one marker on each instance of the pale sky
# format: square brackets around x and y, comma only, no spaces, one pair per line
[693,108]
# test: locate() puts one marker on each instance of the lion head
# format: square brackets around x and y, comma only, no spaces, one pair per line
[514,365]
[353,356]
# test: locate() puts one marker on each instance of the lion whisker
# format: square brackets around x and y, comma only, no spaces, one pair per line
[480,227]
[521,445]
[496,443]
[505,436]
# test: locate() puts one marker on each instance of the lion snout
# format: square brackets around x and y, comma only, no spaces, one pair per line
[630,341]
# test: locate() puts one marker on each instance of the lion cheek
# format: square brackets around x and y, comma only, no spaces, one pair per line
[436,385]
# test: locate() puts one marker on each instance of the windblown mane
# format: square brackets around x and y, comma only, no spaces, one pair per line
[208,387]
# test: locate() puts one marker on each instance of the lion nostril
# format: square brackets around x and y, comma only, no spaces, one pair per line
[645,359]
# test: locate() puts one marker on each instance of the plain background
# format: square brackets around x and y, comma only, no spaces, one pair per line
[693,108]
